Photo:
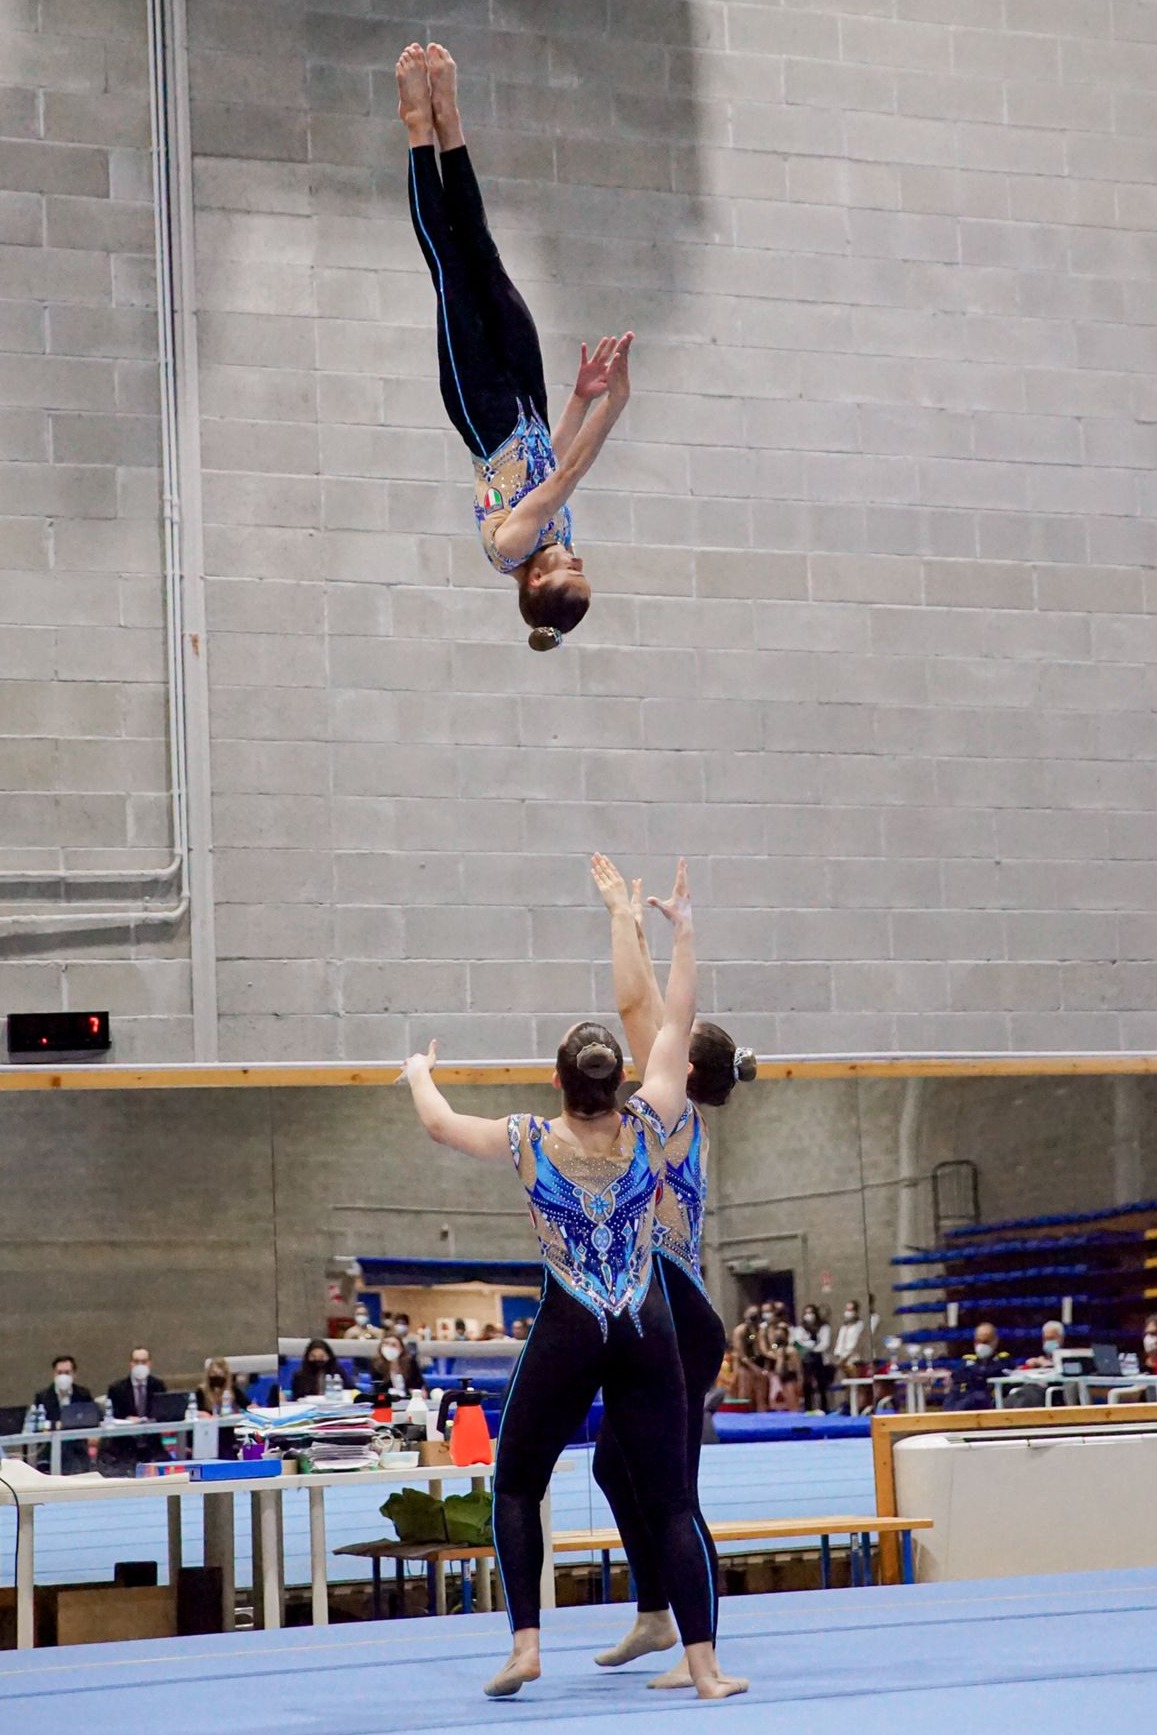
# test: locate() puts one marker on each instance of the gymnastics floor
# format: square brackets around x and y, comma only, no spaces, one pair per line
[1066,1654]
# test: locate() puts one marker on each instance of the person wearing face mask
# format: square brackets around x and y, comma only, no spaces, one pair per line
[131,1399]
[813,1339]
[1149,1346]
[219,1395]
[65,1390]
[318,1364]
[969,1388]
[362,1330]
[395,1370]
[749,1361]
[1031,1395]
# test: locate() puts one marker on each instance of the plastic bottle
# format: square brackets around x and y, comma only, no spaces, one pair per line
[30,1419]
[108,1415]
[432,1414]
[41,1419]
[417,1414]
[191,1408]
[227,1403]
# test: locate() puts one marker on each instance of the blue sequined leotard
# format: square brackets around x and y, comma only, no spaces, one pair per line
[524,459]
[683,1195]
[592,1212]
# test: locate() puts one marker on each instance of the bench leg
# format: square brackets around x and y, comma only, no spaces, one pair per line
[866,1556]
[467,1588]
[909,1572]
[606,1575]
[400,1584]
[854,1562]
[376,1588]
[435,1588]
[825,1562]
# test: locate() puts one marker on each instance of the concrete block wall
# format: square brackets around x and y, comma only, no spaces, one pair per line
[871,551]
[83,757]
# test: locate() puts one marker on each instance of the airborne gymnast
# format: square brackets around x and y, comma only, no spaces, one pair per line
[490,366]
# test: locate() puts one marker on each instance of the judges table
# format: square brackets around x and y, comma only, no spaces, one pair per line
[1084,1385]
[29,1489]
[129,1429]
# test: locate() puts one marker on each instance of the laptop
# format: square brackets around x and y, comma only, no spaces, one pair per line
[12,1419]
[169,1406]
[1106,1360]
[86,1415]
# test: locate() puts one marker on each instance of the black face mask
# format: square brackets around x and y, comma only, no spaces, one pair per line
[317,1366]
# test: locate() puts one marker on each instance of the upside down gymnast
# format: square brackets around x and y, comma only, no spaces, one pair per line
[591,1177]
[490,366]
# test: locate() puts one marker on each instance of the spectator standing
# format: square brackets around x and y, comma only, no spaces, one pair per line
[785,1371]
[751,1381]
[813,1339]
[362,1330]
[850,1351]
[65,1390]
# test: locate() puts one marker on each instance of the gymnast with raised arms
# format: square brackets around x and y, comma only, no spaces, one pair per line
[715,1067]
[591,1177]
[490,366]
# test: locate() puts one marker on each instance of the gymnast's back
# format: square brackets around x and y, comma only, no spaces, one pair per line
[592,1204]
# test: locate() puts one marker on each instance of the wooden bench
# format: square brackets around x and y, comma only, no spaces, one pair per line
[858,1530]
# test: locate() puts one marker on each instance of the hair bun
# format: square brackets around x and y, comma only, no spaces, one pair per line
[597,1060]
[545,639]
[745,1065]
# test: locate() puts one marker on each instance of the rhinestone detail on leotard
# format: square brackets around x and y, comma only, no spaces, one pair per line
[593,1214]
[682,1197]
[523,460]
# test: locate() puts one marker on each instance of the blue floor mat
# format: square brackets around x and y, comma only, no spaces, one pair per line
[1065,1655]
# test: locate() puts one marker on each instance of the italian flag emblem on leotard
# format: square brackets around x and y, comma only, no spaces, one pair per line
[491,500]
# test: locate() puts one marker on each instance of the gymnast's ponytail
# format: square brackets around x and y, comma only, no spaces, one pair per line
[717,1066]
[590,1070]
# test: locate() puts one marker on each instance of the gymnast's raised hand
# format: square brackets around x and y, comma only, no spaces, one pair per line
[490,366]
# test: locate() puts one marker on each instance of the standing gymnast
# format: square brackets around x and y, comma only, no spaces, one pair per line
[490,367]
[716,1066]
[591,1177]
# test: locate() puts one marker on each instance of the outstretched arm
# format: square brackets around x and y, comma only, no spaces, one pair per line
[469,1133]
[665,1080]
[637,993]
[590,383]
[517,536]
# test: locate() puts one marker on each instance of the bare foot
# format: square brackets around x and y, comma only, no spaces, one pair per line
[444,97]
[512,1676]
[679,1676]
[414,108]
[707,1677]
[721,1686]
[651,1632]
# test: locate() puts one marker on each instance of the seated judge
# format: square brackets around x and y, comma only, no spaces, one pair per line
[65,1390]
[131,1399]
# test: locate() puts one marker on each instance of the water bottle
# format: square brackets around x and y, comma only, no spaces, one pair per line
[41,1419]
[191,1408]
[227,1403]
[30,1419]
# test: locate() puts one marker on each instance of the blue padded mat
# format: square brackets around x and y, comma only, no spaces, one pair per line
[736,1426]
[1064,1655]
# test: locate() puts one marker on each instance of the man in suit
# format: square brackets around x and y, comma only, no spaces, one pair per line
[64,1390]
[128,1398]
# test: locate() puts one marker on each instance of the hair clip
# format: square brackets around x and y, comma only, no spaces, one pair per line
[545,639]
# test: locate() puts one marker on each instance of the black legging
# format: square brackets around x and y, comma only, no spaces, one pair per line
[702,1345]
[561,1369]
[489,359]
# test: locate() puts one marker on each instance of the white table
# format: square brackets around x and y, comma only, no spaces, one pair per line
[31,1490]
[914,1380]
[129,1429]
[1053,1384]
